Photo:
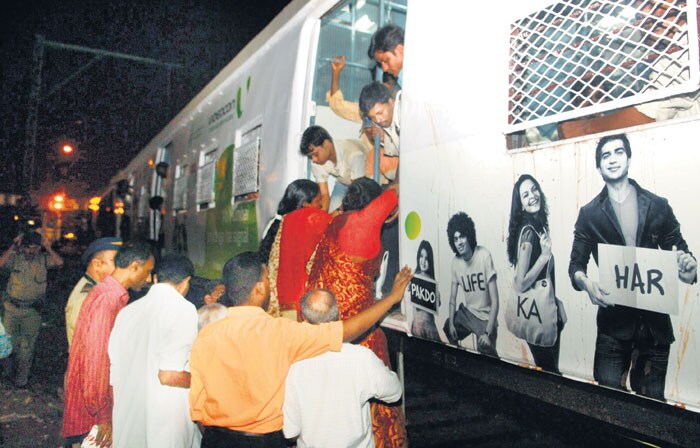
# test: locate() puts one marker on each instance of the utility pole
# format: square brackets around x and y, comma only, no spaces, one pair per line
[35,90]
[32,115]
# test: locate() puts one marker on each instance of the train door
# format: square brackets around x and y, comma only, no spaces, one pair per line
[156,204]
[179,239]
[346,32]
[342,68]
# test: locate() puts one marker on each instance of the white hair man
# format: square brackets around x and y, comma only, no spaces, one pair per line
[327,397]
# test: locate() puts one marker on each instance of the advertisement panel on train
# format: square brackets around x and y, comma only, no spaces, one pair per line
[556,249]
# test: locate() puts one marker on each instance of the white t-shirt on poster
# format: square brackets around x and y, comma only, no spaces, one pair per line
[473,277]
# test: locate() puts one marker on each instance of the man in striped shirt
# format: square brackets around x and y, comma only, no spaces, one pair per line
[89,398]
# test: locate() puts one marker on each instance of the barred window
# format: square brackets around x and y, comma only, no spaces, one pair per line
[246,160]
[205,178]
[581,57]
[180,187]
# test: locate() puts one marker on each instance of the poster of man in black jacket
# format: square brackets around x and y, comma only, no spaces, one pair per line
[625,214]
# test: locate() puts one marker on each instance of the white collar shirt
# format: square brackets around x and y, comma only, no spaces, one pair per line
[154,333]
[327,397]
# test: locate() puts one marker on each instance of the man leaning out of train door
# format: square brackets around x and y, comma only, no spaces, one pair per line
[343,159]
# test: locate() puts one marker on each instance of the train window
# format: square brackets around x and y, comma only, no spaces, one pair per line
[578,67]
[245,163]
[347,31]
[142,202]
[205,178]
[180,188]
[159,179]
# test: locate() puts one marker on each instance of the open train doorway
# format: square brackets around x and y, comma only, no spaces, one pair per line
[343,67]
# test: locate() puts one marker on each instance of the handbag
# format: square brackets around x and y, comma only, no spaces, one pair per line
[5,343]
[532,314]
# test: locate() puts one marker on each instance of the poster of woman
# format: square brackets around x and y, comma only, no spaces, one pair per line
[533,313]
[425,297]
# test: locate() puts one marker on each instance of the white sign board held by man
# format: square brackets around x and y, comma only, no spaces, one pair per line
[639,277]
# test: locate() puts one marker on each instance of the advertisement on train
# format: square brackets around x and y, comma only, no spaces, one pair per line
[574,256]
[221,144]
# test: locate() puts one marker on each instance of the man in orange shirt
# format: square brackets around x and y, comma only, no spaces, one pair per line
[239,364]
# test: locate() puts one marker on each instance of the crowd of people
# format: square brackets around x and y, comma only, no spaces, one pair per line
[283,350]
[159,371]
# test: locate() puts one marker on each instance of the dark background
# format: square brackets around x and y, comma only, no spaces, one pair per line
[116,106]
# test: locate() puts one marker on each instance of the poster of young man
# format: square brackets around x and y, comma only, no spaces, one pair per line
[625,214]
[474,279]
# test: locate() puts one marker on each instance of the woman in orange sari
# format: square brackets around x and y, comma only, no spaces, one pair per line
[347,261]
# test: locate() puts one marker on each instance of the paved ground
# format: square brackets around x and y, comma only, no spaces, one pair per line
[32,417]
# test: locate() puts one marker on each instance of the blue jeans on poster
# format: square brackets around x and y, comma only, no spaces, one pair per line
[647,370]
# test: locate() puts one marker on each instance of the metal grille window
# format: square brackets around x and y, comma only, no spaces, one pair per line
[246,158]
[142,203]
[205,178]
[581,57]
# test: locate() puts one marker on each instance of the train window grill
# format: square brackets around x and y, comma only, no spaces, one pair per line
[205,178]
[581,57]
[158,182]
[246,163]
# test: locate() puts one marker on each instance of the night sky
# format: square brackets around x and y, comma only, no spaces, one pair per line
[115,106]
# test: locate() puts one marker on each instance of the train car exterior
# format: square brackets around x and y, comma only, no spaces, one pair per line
[492,97]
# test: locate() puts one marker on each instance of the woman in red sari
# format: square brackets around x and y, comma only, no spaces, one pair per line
[299,233]
[347,261]
[288,245]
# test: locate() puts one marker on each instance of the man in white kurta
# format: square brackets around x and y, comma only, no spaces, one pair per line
[149,352]
[326,400]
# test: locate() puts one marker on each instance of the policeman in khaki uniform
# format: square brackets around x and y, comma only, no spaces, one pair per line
[26,288]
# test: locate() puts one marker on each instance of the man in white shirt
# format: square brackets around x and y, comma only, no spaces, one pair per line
[327,397]
[344,159]
[149,351]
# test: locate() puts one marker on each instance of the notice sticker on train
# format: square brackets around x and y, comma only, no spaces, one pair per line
[424,294]
[639,278]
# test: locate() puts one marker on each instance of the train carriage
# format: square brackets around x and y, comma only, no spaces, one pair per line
[489,94]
